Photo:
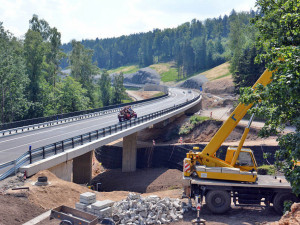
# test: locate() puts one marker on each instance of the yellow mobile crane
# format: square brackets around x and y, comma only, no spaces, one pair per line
[239,164]
[235,178]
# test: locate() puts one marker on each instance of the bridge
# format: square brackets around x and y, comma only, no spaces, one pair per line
[66,149]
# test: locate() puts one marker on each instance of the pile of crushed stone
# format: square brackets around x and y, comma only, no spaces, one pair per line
[136,209]
[194,82]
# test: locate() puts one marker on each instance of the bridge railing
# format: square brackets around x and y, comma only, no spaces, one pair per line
[36,123]
[70,143]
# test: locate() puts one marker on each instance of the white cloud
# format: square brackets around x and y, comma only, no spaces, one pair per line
[78,19]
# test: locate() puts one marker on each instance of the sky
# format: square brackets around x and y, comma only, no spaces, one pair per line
[89,19]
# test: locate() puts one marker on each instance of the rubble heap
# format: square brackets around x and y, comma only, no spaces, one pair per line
[89,204]
[148,210]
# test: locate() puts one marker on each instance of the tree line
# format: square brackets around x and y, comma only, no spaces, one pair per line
[194,46]
[31,83]
[276,46]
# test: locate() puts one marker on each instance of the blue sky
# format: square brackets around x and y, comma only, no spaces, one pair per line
[78,19]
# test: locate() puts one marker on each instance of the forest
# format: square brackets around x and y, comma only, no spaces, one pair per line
[194,46]
[31,83]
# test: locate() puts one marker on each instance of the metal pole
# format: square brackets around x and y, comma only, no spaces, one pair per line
[30,156]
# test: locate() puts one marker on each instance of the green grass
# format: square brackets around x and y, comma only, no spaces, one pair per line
[225,75]
[170,75]
[266,170]
[125,69]
[133,88]
[158,94]
[194,121]
[126,100]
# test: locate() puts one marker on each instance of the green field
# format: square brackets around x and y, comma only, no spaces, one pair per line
[125,69]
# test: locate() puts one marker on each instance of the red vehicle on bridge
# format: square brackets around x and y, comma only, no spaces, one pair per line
[126,114]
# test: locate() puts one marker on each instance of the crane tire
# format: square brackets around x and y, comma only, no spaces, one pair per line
[280,198]
[218,201]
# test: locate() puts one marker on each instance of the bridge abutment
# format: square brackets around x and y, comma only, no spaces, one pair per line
[129,153]
[63,170]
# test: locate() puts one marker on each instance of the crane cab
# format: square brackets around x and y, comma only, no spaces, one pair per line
[246,160]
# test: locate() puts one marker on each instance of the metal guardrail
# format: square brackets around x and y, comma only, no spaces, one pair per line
[65,117]
[61,146]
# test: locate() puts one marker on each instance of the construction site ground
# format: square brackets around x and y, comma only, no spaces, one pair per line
[17,207]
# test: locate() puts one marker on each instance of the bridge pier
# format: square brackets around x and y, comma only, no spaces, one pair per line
[82,168]
[129,153]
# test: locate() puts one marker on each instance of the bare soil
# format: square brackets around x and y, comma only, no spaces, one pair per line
[220,86]
[162,182]
[17,210]
[202,133]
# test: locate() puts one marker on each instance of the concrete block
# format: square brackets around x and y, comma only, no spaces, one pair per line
[87,198]
[89,209]
[102,204]
[79,205]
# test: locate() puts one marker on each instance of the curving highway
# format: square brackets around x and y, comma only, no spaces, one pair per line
[13,146]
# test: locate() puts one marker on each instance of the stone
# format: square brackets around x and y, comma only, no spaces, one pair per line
[102,204]
[90,209]
[88,198]
[79,205]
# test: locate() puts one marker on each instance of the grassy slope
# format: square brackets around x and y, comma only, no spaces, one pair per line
[125,69]
[218,72]
[168,71]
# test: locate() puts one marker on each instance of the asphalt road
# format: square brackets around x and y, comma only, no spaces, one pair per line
[11,147]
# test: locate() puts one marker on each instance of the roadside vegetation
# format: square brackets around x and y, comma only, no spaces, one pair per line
[266,170]
[125,69]
[194,121]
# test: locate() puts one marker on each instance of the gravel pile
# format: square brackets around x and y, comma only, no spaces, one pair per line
[194,82]
[143,76]
[148,210]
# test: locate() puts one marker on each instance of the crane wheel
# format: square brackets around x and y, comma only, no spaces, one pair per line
[280,198]
[218,201]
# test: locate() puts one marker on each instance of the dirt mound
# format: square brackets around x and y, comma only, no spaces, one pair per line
[149,180]
[15,210]
[201,133]
[205,131]
[62,192]
[210,101]
[290,218]
[221,86]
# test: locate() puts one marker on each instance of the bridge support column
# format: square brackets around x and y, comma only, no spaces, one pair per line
[129,153]
[82,168]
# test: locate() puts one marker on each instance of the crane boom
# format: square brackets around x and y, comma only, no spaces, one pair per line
[235,117]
